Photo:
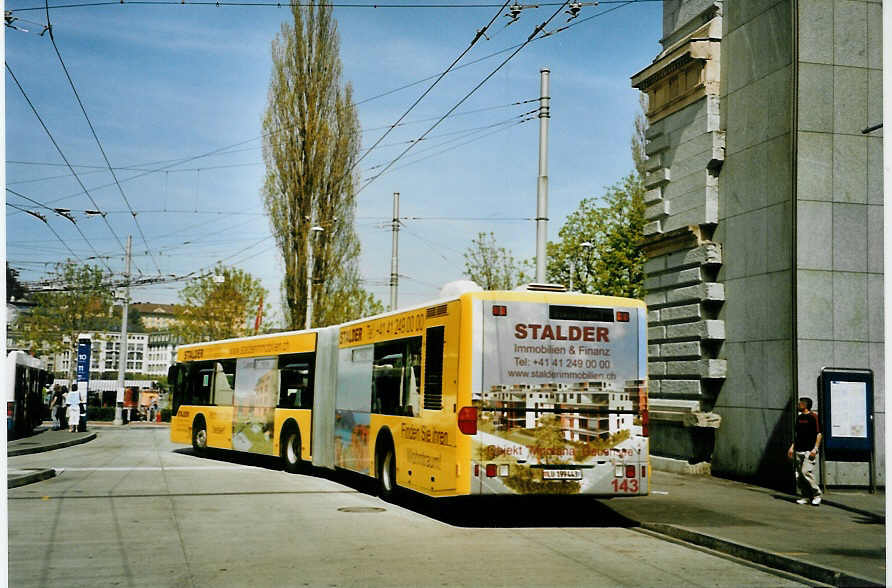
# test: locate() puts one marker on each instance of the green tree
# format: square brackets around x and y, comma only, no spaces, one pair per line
[14,288]
[600,243]
[490,266]
[311,145]
[614,226]
[80,299]
[219,306]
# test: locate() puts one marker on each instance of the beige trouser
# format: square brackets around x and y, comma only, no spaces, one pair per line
[805,474]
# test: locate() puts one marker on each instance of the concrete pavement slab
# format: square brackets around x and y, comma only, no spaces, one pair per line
[827,543]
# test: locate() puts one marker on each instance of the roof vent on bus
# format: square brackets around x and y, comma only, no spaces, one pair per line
[459,287]
[543,287]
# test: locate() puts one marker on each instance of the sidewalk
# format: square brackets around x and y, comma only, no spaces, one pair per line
[840,543]
[45,439]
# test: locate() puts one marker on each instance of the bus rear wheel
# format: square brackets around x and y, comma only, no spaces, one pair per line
[290,450]
[386,462]
[199,436]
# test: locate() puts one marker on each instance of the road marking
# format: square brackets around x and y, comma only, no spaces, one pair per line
[658,492]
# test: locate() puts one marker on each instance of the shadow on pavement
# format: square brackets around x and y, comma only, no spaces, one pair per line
[465,511]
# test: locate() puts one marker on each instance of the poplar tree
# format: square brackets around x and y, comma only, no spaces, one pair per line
[311,145]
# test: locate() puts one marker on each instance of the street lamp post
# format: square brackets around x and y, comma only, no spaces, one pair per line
[310,233]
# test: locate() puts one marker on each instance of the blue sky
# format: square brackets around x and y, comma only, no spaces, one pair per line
[163,83]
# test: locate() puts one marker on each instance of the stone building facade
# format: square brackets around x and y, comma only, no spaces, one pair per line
[765,225]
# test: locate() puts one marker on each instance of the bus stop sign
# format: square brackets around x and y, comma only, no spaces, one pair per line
[846,410]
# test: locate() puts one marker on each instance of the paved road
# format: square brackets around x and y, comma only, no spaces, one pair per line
[130,509]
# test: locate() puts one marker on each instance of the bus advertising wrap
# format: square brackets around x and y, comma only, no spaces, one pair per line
[559,401]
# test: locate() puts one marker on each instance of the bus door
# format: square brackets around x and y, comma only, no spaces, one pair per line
[557,389]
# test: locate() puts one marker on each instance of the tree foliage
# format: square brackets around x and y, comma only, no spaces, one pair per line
[14,288]
[219,306]
[600,243]
[80,302]
[614,225]
[311,144]
[491,266]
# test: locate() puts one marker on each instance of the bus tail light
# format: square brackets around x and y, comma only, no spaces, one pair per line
[467,421]
[644,471]
[630,471]
[622,316]
[645,423]
[491,470]
[499,310]
[10,410]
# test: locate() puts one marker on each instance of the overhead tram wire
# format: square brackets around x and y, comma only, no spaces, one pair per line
[229,148]
[65,159]
[532,36]
[142,167]
[454,142]
[434,246]
[83,236]
[49,28]
[220,151]
[456,146]
[298,4]
[473,42]
[61,240]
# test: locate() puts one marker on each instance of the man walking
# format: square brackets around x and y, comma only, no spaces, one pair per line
[805,446]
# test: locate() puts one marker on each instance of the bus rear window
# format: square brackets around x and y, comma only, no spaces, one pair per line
[580,313]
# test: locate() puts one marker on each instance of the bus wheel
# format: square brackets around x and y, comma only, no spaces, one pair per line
[199,436]
[386,463]
[290,450]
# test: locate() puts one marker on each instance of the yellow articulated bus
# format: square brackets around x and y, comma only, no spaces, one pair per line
[482,392]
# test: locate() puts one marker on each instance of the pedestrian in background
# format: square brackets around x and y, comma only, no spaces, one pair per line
[63,407]
[73,400]
[57,403]
[805,446]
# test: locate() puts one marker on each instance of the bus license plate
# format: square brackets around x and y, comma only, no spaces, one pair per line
[562,474]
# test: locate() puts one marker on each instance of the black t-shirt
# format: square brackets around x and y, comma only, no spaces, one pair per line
[807,429]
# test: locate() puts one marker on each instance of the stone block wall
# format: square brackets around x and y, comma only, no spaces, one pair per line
[765,232]
[839,202]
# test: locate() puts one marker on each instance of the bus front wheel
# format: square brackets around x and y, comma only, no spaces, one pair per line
[386,462]
[199,436]
[290,450]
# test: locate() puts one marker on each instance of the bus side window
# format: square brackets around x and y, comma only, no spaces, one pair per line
[202,383]
[224,382]
[296,384]
[433,369]
[395,375]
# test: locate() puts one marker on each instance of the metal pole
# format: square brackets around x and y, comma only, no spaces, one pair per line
[542,189]
[122,357]
[312,231]
[309,318]
[394,258]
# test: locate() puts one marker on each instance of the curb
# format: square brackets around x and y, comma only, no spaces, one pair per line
[765,558]
[41,448]
[34,476]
